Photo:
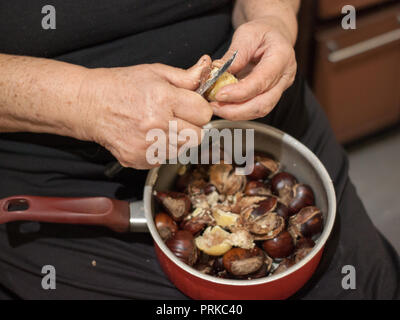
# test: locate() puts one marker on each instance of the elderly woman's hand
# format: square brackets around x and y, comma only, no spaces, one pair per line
[265,65]
[124,104]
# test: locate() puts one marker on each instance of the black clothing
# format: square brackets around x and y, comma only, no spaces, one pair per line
[176,32]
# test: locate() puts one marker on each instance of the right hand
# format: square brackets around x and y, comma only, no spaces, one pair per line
[120,105]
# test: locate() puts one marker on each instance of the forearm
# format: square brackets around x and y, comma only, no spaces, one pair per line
[39,95]
[280,13]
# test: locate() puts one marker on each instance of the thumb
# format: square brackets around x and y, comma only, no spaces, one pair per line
[186,79]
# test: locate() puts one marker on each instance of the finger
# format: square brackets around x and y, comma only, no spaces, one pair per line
[187,79]
[192,107]
[263,77]
[184,137]
[257,107]
[244,47]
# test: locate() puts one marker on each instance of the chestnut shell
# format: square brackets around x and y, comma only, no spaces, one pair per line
[177,204]
[279,247]
[165,225]
[306,223]
[241,262]
[182,245]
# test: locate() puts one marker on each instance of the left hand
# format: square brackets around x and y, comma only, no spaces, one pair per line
[266,66]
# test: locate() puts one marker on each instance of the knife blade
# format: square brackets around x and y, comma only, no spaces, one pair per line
[209,83]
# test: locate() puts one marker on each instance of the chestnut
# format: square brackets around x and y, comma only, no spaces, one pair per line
[284,265]
[177,204]
[197,221]
[218,265]
[209,188]
[282,210]
[263,167]
[225,79]
[303,247]
[223,177]
[256,188]
[279,247]
[192,225]
[264,206]
[306,223]
[241,262]
[260,273]
[203,268]
[282,185]
[303,196]
[266,227]
[182,245]
[165,225]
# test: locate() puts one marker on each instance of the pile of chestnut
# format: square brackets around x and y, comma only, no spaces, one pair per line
[239,227]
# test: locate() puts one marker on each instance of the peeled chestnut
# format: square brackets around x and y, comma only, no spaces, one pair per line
[225,79]
[182,245]
[279,247]
[303,196]
[177,204]
[306,223]
[256,188]
[165,225]
[263,168]
[240,262]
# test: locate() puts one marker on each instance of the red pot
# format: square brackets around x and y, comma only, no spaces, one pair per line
[122,216]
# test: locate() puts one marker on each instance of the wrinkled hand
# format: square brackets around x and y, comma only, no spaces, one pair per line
[266,66]
[123,104]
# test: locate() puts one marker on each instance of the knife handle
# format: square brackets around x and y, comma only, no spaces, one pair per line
[99,211]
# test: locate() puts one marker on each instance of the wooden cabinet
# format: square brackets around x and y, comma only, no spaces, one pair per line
[356,73]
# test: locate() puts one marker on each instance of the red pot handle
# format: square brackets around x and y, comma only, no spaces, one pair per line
[114,214]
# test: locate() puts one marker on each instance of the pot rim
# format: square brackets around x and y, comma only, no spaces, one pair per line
[287,139]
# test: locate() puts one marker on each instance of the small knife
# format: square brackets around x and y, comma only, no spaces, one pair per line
[209,83]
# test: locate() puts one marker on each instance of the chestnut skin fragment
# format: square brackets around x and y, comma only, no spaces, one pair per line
[223,177]
[182,245]
[241,262]
[281,246]
[306,223]
[165,225]
[177,204]
[266,227]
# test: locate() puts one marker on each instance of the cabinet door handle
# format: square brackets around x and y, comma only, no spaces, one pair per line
[364,46]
